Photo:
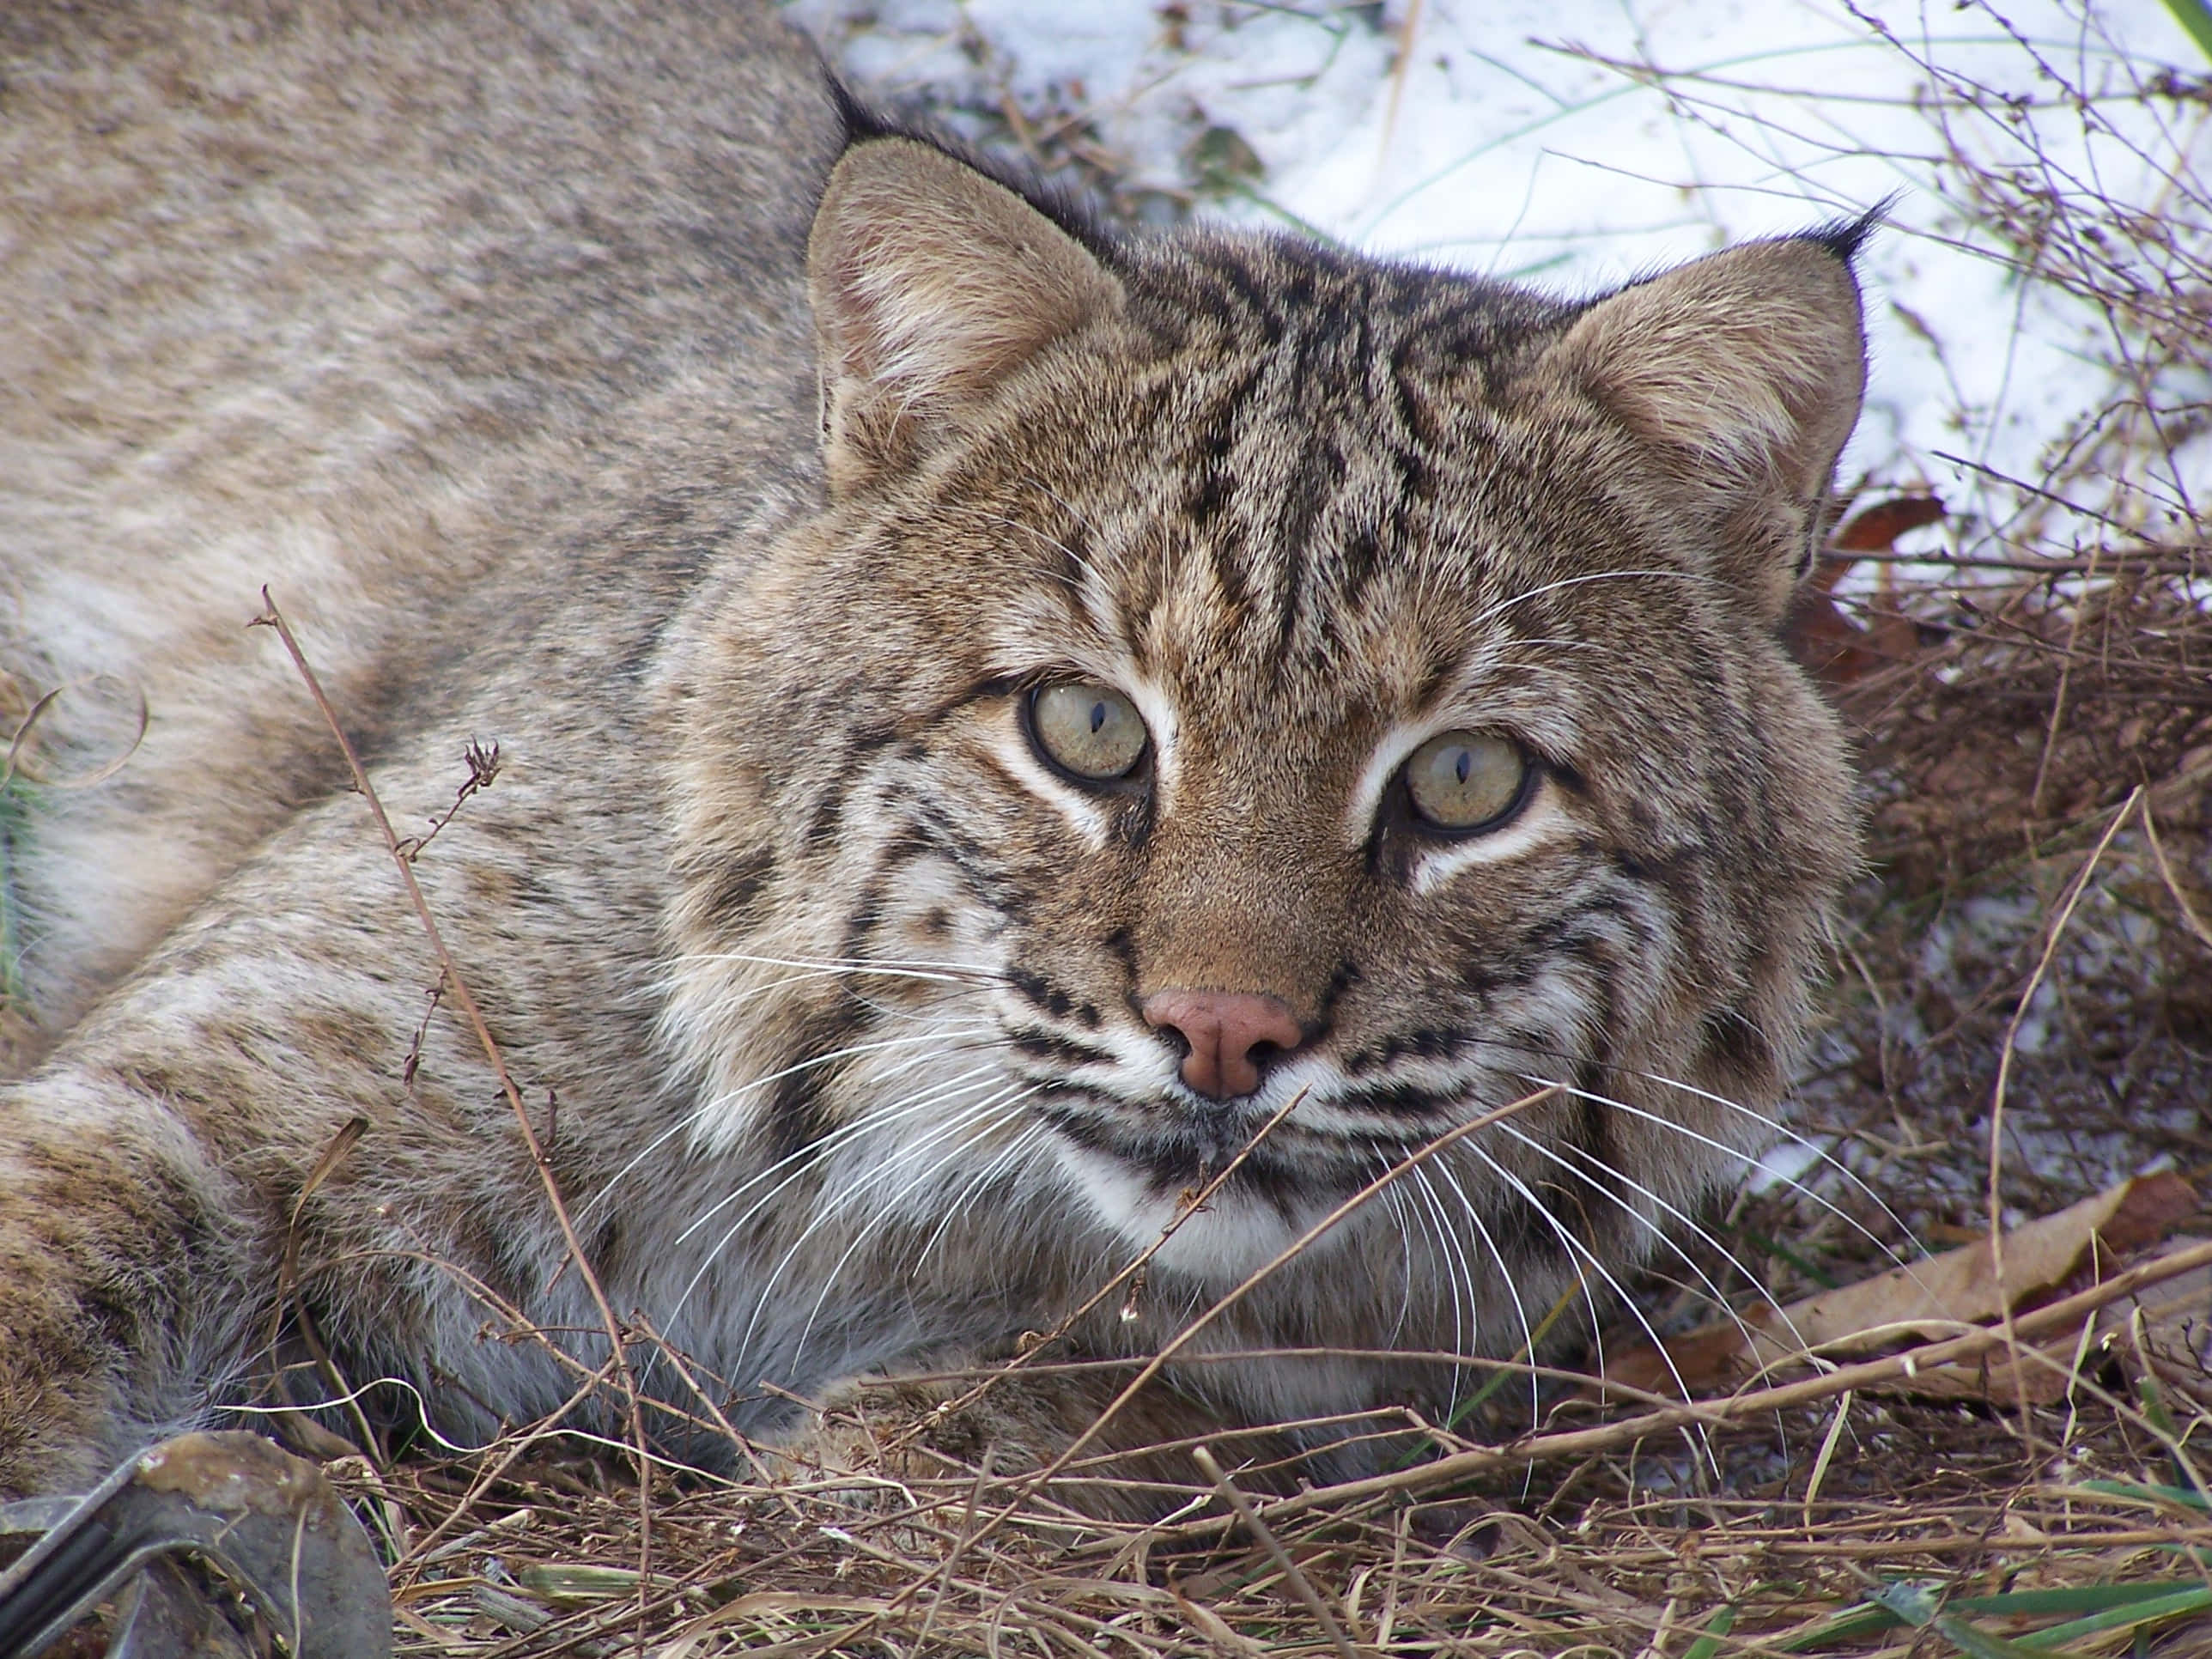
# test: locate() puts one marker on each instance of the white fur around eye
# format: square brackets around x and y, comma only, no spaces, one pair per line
[1085,813]
[1541,821]
[1158,713]
[1375,777]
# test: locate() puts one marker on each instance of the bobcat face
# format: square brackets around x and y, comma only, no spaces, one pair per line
[1283,678]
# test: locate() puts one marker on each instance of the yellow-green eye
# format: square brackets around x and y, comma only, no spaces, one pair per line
[1088,729]
[1464,779]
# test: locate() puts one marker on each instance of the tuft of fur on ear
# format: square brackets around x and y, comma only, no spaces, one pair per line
[1746,368]
[931,284]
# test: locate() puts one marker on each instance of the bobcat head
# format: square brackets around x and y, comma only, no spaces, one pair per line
[1227,674]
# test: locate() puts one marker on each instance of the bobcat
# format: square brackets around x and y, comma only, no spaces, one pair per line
[992,713]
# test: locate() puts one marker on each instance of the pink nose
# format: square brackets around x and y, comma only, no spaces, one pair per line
[1224,1028]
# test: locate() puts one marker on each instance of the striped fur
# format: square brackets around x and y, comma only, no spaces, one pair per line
[835,980]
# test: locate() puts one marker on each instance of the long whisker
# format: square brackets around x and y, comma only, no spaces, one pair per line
[960,972]
[1459,1278]
[990,1173]
[1575,1247]
[1395,1201]
[1751,1344]
[1773,1125]
[1510,600]
[882,1118]
[962,1118]
[1749,1162]
[1031,531]
[1512,1289]
[957,1124]
[1003,1113]
[690,1118]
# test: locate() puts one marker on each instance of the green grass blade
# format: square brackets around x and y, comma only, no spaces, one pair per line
[1715,1627]
[1849,1626]
[2081,1598]
[2187,1496]
[1978,1644]
[2196,20]
[1915,1604]
[2197,1598]
[2108,1607]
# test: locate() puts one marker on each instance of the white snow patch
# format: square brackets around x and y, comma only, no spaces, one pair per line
[1533,139]
[1786,1165]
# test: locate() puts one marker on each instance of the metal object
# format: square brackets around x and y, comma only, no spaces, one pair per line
[267,1524]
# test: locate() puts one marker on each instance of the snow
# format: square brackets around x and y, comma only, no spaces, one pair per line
[1532,139]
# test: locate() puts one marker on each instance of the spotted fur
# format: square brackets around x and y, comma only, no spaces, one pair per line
[570,391]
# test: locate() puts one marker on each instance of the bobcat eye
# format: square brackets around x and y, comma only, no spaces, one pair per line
[1466,779]
[1087,730]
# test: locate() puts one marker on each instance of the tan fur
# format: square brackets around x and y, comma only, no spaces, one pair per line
[508,347]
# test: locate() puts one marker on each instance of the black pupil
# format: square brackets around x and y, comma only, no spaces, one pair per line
[1466,762]
[1098,719]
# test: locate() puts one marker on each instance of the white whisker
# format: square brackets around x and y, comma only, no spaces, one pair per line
[1751,1344]
[961,1120]
[1512,1289]
[1576,1248]
[990,1173]
[692,1118]
[1459,1278]
[1003,1108]
[1747,1159]
[883,1117]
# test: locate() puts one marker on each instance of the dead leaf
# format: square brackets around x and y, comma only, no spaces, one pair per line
[1875,529]
[1925,1300]
[1828,644]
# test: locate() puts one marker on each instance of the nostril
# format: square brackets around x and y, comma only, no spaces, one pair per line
[1228,1037]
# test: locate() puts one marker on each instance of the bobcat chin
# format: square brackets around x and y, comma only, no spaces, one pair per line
[993,712]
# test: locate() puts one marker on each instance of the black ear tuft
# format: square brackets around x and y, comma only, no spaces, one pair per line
[1844,237]
[1066,209]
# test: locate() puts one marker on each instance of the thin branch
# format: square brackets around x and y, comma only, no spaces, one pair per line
[1301,1586]
[1869,1375]
[450,974]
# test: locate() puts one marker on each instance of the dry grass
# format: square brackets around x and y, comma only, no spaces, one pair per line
[2031,690]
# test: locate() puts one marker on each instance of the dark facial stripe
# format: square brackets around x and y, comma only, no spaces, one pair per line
[797,1116]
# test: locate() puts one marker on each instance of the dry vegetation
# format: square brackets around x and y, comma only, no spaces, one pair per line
[2030,685]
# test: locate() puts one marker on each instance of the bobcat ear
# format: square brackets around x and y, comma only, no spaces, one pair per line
[930,285]
[1746,368]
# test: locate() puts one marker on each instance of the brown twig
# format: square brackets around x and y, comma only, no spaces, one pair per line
[1301,1586]
[1252,1281]
[2058,931]
[1869,1375]
[1132,1273]
[482,760]
[450,974]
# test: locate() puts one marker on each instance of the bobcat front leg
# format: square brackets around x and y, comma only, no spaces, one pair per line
[123,1254]
[152,1170]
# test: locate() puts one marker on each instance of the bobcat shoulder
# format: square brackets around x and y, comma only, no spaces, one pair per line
[992,713]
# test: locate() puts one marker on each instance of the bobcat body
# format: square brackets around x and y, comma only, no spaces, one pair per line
[990,713]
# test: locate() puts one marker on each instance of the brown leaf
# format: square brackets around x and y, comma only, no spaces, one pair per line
[1875,529]
[1828,644]
[1925,1300]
